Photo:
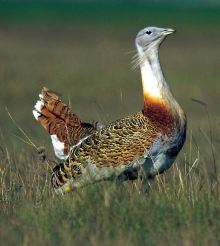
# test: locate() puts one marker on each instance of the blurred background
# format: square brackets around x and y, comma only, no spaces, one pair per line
[83,50]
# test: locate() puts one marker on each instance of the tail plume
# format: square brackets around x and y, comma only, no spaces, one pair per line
[64,127]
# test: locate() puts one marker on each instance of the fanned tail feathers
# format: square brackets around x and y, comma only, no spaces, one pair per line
[64,127]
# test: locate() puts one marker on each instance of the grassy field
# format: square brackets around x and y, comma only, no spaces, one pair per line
[85,55]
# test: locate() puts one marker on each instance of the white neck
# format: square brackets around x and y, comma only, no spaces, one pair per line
[153,81]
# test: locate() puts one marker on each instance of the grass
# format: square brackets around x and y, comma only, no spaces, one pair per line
[89,63]
[182,205]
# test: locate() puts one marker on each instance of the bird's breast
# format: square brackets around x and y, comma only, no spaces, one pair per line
[160,114]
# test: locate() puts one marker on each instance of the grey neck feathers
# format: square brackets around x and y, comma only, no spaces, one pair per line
[150,66]
[154,83]
[151,56]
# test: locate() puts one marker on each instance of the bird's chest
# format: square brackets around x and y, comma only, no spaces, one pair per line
[163,152]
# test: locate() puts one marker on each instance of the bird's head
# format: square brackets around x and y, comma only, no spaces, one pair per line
[150,37]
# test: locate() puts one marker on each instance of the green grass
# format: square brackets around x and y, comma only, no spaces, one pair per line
[182,205]
[88,61]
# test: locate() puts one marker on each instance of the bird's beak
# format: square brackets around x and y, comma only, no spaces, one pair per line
[168,31]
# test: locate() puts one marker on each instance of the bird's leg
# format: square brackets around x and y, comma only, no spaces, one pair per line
[129,174]
[144,182]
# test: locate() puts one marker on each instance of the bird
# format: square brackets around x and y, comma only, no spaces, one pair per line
[144,144]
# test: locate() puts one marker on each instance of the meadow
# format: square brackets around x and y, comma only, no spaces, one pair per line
[84,52]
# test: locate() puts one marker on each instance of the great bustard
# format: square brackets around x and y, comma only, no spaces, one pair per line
[148,140]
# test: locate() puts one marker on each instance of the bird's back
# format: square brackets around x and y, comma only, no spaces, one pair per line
[119,143]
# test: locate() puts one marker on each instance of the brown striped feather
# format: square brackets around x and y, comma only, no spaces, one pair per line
[58,119]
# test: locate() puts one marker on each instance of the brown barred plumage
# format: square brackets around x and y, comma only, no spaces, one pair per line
[120,143]
[56,117]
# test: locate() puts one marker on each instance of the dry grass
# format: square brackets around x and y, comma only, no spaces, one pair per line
[182,205]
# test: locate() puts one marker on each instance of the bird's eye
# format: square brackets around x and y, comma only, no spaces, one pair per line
[148,32]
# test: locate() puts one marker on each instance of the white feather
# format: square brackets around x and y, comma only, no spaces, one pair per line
[36,114]
[58,147]
[38,106]
[80,141]
[151,84]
